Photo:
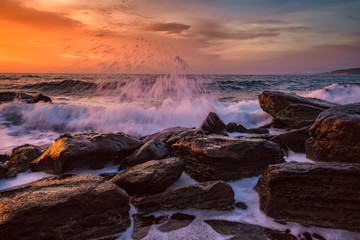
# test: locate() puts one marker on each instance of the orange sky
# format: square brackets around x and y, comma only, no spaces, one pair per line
[143,36]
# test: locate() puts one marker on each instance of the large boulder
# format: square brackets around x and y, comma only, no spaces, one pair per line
[151,177]
[213,124]
[293,140]
[215,195]
[152,150]
[21,157]
[293,110]
[245,231]
[225,158]
[335,136]
[321,194]
[72,207]
[85,150]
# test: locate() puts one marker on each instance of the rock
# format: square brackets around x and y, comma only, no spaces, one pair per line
[293,140]
[11,96]
[293,110]
[240,128]
[85,150]
[70,207]
[151,177]
[257,131]
[231,127]
[165,134]
[213,124]
[318,236]
[108,176]
[241,205]
[21,158]
[276,124]
[244,231]
[177,221]
[4,158]
[142,224]
[40,98]
[225,158]
[215,195]
[152,150]
[176,137]
[321,194]
[4,170]
[307,236]
[335,136]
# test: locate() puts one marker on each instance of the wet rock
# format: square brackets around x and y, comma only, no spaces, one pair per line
[71,207]
[177,221]
[215,195]
[335,136]
[21,157]
[152,150]
[224,158]
[213,124]
[240,128]
[241,205]
[318,236]
[4,170]
[151,177]
[293,140]
[11,96]
[246,231]
[142,224]
[108,176]
[4,158]
[275,123]
[257,131]
[85,150]
[307,236]
[231,127]
[40,98]
[293,110]
[176,137]
[321,194]
[165,134]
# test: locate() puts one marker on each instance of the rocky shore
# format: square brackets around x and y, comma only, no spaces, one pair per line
[323,193]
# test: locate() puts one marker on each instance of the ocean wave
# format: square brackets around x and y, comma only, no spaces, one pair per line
[341,94]
[63,86]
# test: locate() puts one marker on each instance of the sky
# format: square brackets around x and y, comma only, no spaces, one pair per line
[163,36]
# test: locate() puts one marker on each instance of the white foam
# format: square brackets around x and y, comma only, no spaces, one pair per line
[21,179]
[297,157]
[341,94]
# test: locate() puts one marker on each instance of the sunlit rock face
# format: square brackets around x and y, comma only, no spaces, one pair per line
[313,194]
[86,150]
[224,158]
[335,136]
[293,110]
[70,207]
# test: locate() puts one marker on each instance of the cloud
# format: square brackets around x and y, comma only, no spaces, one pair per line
[176,28]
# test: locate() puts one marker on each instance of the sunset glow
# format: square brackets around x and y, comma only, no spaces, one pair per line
[210,36]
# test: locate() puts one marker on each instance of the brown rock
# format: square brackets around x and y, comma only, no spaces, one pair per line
[4,170]
[335,136]
[224,158]
[71,207]
[176,137]
[165,134]
[321,194]
[213,124]
[142,224]
[40,98]
[294,140]
[177,221]
[231,127]
[244,231]
[11,96]
[216,195]
[293,110]
[85,150]
[21,157]
[257,131]
[151,177]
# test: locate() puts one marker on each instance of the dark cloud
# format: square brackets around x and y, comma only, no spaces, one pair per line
[168,27]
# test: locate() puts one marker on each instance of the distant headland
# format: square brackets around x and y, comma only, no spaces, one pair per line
[350,71]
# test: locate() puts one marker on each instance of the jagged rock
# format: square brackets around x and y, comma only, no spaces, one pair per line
[21,158]
[40,98]
[293,110]
[215,195]
[321,194]
[142,224]
[244,231]
[151,177]
[176,137]
[165,134]
[257,131]
[152,150]
[231,127]
[4,170]
[85,206]
[293,140]
[213,124]
[225,158]
[177,221]
[335,136]
[85,150]
[240,128]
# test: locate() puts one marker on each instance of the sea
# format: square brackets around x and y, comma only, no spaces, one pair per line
[143,104]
